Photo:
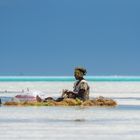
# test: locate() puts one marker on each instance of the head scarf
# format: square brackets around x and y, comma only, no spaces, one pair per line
[83,70]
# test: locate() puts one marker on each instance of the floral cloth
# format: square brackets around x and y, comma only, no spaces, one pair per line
[82,85]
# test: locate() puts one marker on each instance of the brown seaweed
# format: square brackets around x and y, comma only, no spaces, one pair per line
[100,101]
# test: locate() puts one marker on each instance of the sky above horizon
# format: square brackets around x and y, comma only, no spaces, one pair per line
[52,37]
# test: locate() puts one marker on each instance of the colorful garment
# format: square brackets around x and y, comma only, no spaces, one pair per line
[81,85]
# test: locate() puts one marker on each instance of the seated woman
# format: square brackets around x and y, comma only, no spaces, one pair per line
[80,91]
[81,87]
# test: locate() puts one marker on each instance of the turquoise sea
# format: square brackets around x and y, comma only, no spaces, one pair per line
[59,123]
[68,78]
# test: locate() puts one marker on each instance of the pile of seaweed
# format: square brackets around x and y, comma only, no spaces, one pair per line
[99,101]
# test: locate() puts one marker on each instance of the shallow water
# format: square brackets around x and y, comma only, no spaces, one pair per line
[121,122]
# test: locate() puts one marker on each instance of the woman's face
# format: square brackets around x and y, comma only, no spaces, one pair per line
[78,74]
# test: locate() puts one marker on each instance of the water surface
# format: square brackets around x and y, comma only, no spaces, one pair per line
[39,123]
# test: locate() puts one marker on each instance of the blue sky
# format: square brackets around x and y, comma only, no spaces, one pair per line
[51,37]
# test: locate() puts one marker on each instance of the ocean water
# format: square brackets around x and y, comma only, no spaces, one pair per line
[38,123]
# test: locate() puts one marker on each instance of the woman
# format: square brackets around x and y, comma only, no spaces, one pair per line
[80,90]
[81,87]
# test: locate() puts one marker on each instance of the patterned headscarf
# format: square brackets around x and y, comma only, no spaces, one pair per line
[83,70]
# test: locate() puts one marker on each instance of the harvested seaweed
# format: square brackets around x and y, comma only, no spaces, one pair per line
[99,101]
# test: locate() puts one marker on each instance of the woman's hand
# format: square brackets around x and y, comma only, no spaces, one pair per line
[66,93]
